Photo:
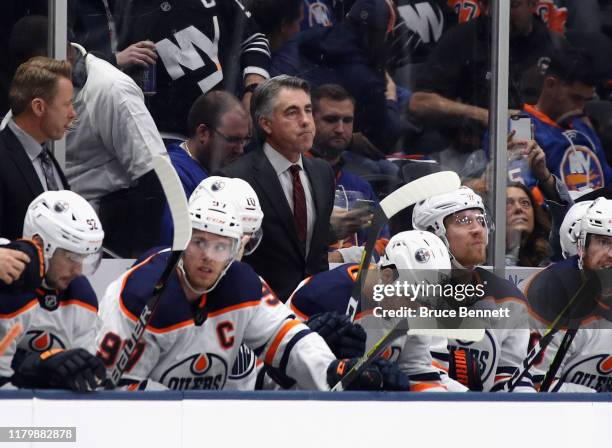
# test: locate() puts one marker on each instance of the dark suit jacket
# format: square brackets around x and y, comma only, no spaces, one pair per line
[19,184]
[280,259]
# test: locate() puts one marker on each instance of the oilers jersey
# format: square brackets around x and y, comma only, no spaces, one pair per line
[505,343]
[201,45]
[331,291]
[588,362]
[575,155]
[50,319]
[179,354]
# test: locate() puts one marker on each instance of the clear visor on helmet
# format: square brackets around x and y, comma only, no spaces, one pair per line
[470,217]
[219,248]
[89,262]
[253,241]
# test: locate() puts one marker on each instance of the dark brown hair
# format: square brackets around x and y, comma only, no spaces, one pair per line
[534,248]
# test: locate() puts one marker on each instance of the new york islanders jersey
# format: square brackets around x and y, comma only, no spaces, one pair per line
[505,344]
[588,361]
[179,354]
[331,291]
[201,45]
[574,155]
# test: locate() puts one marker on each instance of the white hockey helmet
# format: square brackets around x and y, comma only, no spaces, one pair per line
[570,228]
[428,215]
[418,256]
[65,220]
[218,217]
[597,221]
[244,198]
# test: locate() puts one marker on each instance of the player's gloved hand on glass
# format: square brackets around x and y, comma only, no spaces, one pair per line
[75,369]
[344,338]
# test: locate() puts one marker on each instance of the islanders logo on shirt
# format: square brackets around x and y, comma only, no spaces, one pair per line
[318,14]
[580,168]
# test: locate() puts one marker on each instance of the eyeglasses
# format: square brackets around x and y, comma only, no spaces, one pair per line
[233,140]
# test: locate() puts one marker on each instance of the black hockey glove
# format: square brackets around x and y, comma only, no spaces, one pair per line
[393,378]
[370,379]
[344,338]
[463,367]
[75,369]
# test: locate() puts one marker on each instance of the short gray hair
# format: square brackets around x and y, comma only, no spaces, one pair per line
[265,95]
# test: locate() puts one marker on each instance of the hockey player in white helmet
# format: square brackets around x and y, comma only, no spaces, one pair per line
[412,257]
[570,228]
[459,218]
[59,319]
[586,365]
[244,198]
[210,307]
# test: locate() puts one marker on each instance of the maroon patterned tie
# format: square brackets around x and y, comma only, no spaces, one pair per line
[299,203]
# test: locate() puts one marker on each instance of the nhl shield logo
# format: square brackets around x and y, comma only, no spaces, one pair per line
[50,302]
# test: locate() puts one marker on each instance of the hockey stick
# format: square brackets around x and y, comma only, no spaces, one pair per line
[175,195]
[10,336]
[401,328]
[409,194]
[591,286]
[558,359]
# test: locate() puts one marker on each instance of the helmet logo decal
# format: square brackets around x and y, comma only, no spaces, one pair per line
[422,255]
[60,206]
[218,186]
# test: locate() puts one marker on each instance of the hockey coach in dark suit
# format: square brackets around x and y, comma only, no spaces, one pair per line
[296,192]
[41,103]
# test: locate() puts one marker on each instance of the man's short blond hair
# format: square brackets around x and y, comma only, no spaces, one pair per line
[36,78]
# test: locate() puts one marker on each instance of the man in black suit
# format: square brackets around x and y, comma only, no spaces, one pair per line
[296,193]
[41,101]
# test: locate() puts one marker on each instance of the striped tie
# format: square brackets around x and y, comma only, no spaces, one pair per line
[299,204]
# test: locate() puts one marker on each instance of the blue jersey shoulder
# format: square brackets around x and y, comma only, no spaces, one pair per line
[240,284]
[326,291]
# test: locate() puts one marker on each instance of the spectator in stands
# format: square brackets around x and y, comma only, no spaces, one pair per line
[219,130]
[527,229]
[296,193]
[573,149]
[41,100]
[94,28]
[279,20]
[354,54]
[201,45]
[333,112]
[451,97]
[109,149]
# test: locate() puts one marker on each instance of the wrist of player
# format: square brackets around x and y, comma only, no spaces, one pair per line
[370,379]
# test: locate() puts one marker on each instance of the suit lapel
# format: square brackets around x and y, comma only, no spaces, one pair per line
[267,179]
[318,192]
[23,162]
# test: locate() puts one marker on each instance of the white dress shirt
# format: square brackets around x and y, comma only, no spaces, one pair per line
[281,166]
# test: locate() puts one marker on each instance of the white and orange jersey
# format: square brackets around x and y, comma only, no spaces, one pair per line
[331,291]
[588,362]
[179,354]
[504,346]
[64,319]
[16,312]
